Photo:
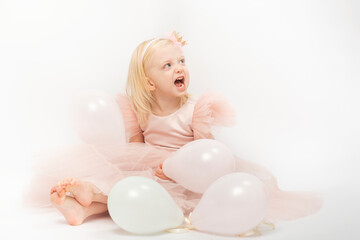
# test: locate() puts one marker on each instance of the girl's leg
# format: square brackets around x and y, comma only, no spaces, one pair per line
[73,211]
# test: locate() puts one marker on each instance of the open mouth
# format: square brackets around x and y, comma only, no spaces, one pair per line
[179,82]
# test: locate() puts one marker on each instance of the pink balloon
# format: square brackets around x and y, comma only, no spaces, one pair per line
[199,163]
[96,118]
[233,204]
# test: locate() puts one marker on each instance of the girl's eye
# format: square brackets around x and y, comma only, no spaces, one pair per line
[182,61]
[167,65]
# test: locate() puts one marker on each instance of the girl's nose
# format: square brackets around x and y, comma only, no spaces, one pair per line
[178,70]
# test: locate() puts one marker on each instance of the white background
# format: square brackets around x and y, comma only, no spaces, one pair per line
[291,69]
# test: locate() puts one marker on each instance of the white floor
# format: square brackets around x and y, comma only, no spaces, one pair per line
[338,219]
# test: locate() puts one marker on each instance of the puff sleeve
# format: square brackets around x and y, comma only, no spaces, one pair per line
[131,124]
[211,109]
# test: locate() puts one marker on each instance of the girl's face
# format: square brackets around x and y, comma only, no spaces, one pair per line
[166,72]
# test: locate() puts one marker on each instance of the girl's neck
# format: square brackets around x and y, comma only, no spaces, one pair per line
[166,106]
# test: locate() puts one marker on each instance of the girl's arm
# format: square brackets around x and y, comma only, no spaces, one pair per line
[137,138]
[160,173]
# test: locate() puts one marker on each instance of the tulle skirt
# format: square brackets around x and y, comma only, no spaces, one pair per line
[105,165]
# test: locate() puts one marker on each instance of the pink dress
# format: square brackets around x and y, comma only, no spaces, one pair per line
[104,165]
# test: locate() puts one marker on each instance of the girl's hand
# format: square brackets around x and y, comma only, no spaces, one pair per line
[160,173]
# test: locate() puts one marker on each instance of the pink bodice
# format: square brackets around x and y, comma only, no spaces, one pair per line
[171,131]
[190,122]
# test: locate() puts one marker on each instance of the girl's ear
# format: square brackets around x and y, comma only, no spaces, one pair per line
[150,84]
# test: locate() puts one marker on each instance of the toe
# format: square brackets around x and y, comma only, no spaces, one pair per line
[53,189]
[53,197]
[61,193]
[61,197]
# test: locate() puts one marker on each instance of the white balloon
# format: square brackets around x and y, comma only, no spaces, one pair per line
[96,118]
[199,163]
[233,204]
[142,206]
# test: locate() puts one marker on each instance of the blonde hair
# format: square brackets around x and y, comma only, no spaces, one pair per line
[141,98]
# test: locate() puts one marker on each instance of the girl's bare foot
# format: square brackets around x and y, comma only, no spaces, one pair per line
[73,212]
[82,191]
